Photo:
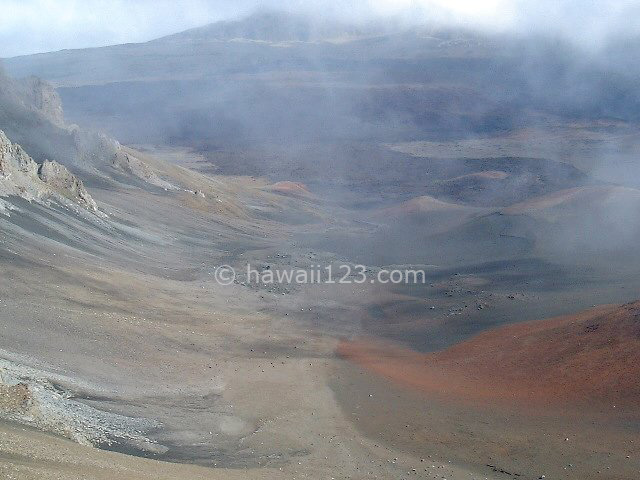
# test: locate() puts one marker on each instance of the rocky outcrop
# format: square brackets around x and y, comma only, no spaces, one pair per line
[21,176]
[43,97]
[136,167]
[31,114]
[59,178]
[97,148]
[13,159]
[18,171]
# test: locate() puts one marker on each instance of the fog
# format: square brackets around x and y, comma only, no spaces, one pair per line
[31,26]
[493,146]
[379,103]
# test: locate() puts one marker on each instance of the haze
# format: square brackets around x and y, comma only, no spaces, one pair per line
[485,155]
[33,26]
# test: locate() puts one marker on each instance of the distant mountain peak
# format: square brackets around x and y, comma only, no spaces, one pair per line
[273,26]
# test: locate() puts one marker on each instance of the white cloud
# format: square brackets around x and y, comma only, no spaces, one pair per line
[495,13]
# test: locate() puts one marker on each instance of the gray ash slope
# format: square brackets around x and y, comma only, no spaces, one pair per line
[90,279]
[43,158]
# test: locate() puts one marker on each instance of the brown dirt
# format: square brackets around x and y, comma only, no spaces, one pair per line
[14,398]
[588,359]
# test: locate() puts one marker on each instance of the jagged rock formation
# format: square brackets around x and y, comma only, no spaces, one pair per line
[34,95]
[31,115]
[136,167]
[18,171]
[58,177]
[21,176]
[43,97]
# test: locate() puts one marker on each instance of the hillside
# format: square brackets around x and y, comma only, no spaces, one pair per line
[350,82]
[587,360]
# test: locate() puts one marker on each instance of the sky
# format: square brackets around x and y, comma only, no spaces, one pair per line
[31,26]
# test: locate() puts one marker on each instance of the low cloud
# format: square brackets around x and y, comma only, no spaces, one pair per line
[30,26]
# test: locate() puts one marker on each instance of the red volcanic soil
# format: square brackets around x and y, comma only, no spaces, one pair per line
[290,188]
[580,198]
[487,174]
[590,359]
[426,206]
[422,204]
